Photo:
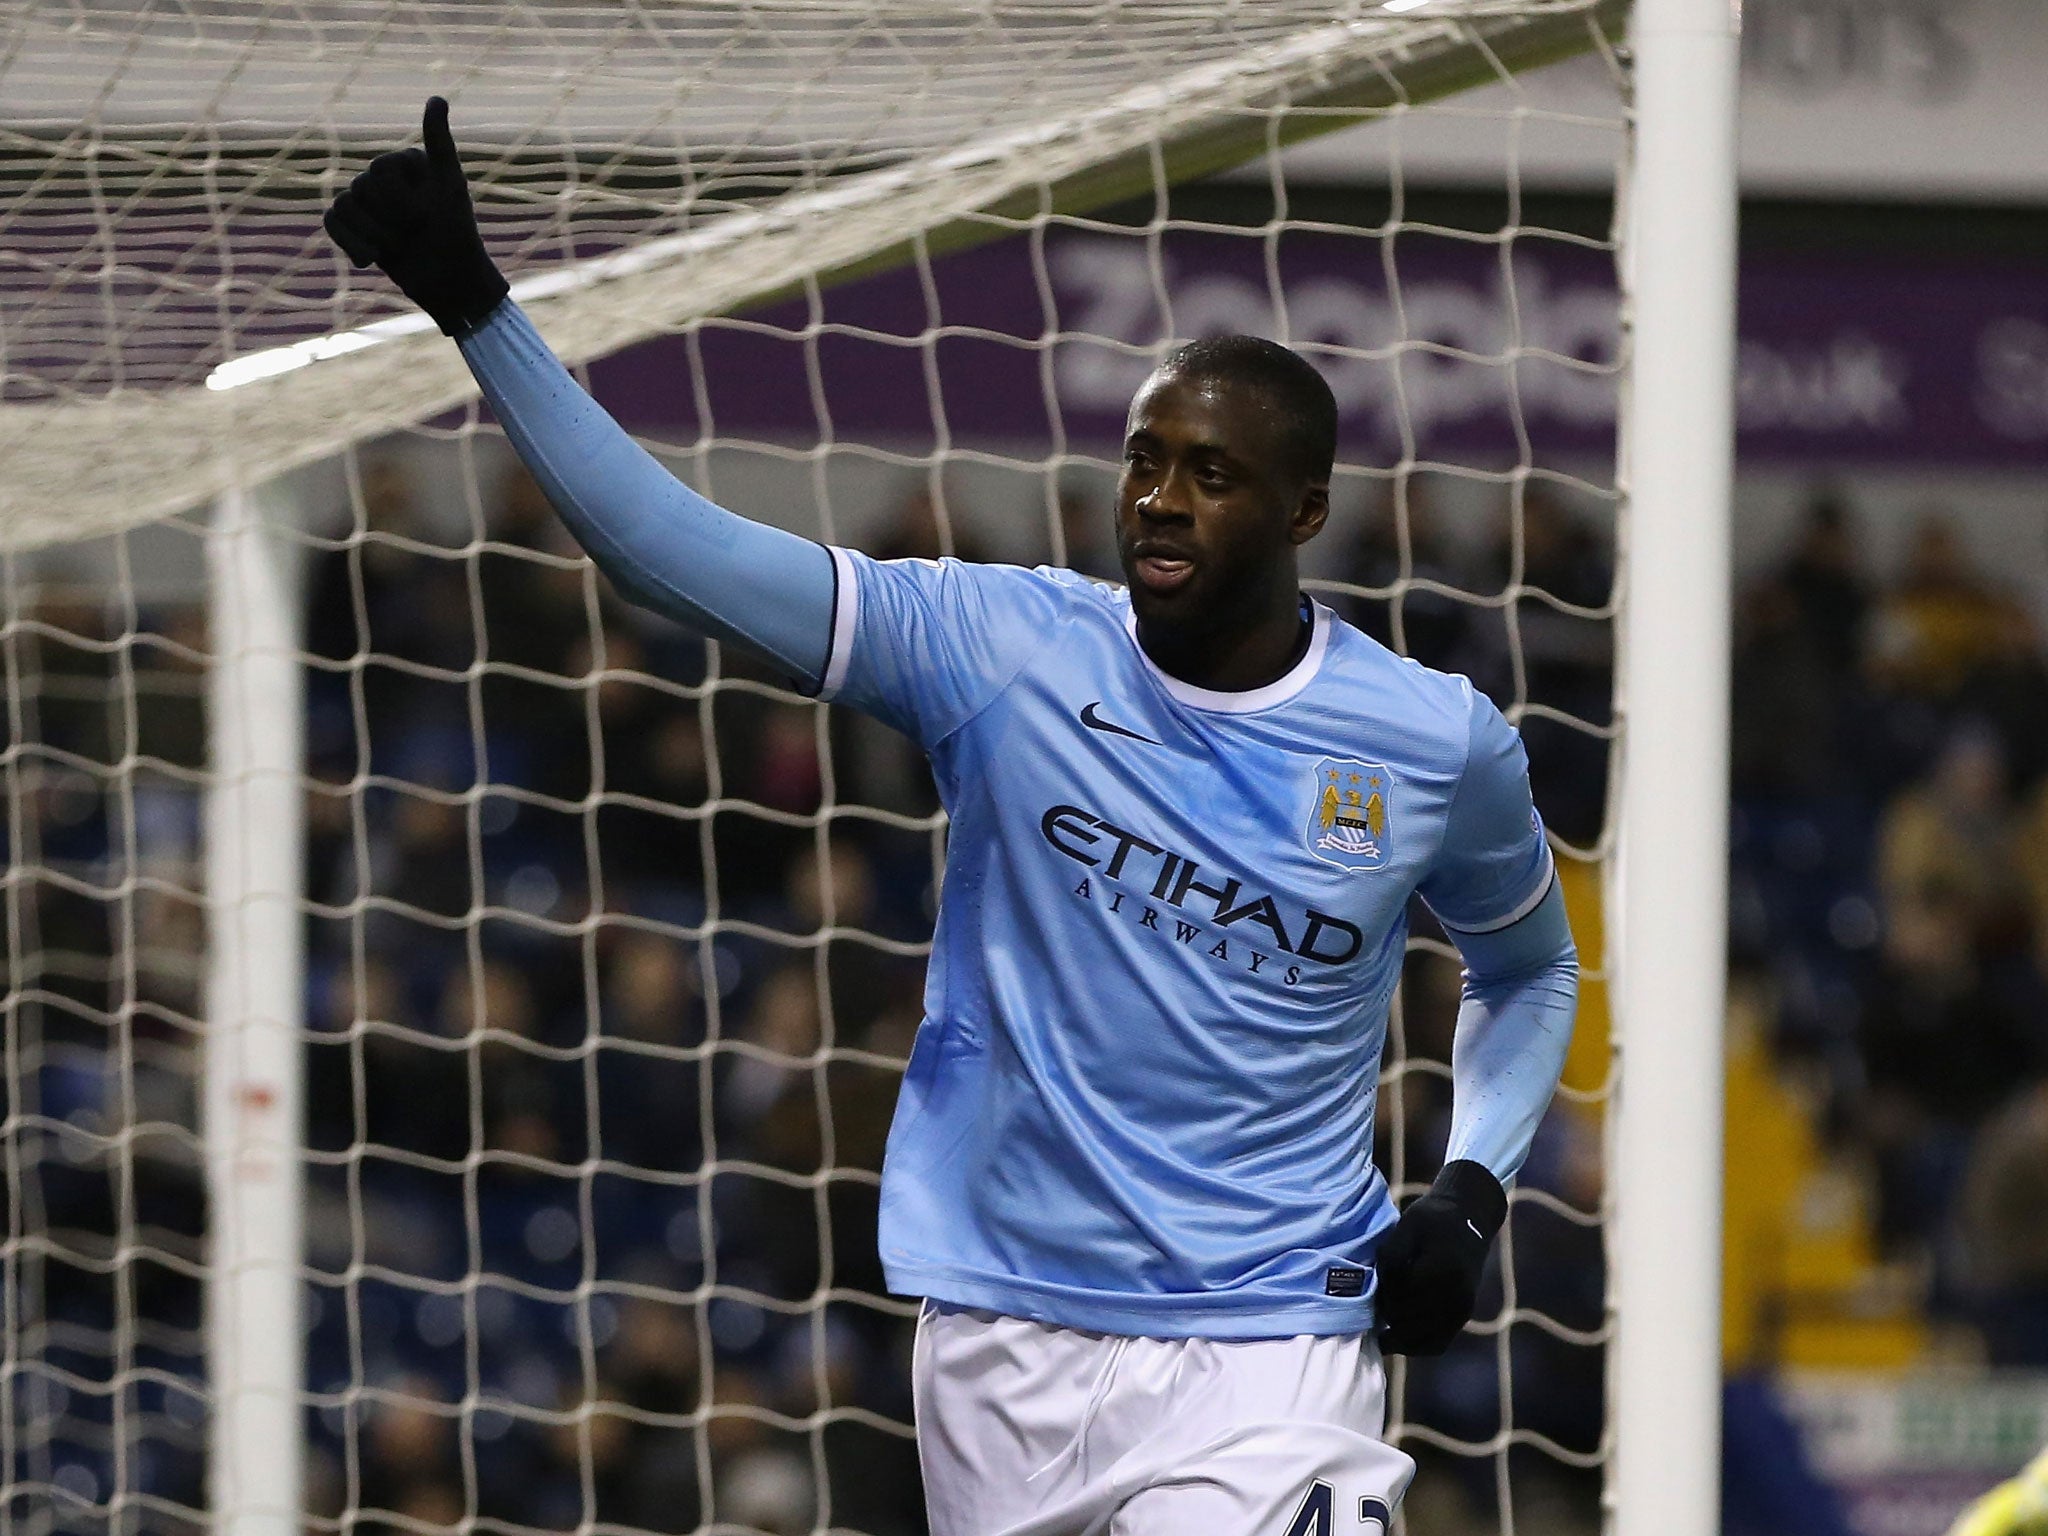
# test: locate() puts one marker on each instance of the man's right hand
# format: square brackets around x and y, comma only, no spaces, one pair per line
[410,214]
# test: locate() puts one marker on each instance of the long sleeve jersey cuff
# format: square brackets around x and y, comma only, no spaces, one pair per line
[664,546]
[1514,1027]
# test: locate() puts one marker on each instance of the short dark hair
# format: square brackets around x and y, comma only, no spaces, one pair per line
[1298,393]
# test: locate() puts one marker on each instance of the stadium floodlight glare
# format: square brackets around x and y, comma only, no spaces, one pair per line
[699,178]
[252,367]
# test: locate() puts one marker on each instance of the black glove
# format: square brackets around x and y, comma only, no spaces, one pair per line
[1429,1265]
[409,213]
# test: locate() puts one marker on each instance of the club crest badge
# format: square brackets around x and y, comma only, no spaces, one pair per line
[1350,822]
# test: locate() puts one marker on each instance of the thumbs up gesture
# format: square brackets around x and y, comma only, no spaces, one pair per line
[410,214]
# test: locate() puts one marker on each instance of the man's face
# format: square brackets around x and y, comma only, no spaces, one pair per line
[1209,507]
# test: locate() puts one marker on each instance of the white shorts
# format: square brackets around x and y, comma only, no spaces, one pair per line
[1029,1430]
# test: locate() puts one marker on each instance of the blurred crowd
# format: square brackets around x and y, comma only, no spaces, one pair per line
[1889,852]
[607,1013]
[604,1029]
[614,953]
[1890,901]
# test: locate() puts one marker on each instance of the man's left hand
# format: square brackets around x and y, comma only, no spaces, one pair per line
[1430,1265]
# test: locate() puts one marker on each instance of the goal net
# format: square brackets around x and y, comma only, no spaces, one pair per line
[452,1016]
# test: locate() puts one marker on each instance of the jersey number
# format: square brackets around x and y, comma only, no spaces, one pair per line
[1316,1515]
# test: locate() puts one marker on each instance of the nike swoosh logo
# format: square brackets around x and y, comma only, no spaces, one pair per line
[1475,1229]
[1095,722]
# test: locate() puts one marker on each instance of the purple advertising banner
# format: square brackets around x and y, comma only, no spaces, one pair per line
[1453,347]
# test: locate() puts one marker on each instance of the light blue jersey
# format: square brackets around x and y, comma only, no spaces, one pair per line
[1142,1099]
[1172,923]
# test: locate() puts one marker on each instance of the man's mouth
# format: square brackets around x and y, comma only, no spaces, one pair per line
[1161,571]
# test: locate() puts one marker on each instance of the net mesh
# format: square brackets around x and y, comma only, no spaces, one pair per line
[614,945]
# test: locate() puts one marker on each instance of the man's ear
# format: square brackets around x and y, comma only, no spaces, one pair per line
[1310,515]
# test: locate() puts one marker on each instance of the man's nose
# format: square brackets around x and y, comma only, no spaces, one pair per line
[1162,502]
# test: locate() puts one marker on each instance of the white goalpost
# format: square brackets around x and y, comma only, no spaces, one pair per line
[1670,876]
[451,1015]
[253,1100]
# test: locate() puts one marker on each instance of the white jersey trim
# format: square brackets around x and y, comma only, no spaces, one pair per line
[1250,700]
[845,619]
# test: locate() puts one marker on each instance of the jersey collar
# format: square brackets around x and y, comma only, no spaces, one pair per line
[1250,700]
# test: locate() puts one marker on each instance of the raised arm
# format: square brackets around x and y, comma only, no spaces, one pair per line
[664,546]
